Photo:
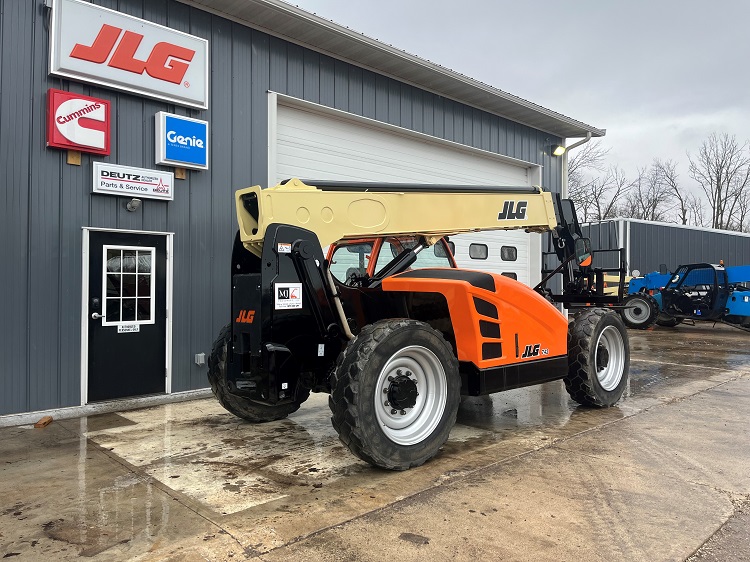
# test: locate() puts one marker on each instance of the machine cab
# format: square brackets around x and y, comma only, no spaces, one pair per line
[696,291]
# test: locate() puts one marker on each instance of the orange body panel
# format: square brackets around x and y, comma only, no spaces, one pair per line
[527,321]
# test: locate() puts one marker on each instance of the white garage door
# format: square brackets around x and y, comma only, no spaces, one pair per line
[310,141]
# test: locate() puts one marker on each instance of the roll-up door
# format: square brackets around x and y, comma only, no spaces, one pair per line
[313,142]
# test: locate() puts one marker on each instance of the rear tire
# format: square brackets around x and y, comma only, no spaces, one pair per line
[598,358]
[381,414]
[239,406]
[668,321]
[641,312]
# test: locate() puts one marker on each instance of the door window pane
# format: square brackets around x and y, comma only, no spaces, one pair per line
[113,260]
[128,261]
[144,309]
[128,285]
[144,285]
[113,285]
[144,262]
[128,310]
[113,310]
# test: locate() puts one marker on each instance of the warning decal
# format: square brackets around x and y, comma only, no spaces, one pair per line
[288,295]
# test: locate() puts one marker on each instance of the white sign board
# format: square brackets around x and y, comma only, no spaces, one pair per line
[102,46]
[133,182]
[288,295]
[128,328]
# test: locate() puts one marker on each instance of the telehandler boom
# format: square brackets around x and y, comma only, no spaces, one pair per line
[396,343]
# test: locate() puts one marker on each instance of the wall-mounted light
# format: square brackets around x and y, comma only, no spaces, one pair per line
[558,150]
[133,204]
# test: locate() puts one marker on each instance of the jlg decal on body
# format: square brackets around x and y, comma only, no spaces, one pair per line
[287,295]
[534,350]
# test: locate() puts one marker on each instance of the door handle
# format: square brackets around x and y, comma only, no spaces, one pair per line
[96,316]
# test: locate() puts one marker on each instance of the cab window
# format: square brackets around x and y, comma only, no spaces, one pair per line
[432,256]
[350,259]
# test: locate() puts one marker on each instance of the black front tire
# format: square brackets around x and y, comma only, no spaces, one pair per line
[362,391]
[640,312]
[598,358]
[668,321]
[239,406]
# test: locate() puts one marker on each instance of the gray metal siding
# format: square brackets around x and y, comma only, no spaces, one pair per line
[46,201]
[653,244]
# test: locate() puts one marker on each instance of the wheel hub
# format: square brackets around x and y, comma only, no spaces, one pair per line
[402,392]
[602,357]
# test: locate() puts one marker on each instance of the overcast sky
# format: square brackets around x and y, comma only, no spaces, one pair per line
[659,75]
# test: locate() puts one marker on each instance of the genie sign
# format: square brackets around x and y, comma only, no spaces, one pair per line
[181,141]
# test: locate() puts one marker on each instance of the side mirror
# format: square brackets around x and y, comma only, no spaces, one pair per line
[583,252]
[663,269]
[636,273]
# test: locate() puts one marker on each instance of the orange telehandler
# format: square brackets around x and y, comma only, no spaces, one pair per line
[389,327]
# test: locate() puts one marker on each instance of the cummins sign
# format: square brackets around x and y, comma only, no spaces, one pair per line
[102,46]
[78,122]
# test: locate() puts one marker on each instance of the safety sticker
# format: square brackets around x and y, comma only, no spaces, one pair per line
[128,328]
[284,248]
[288,295]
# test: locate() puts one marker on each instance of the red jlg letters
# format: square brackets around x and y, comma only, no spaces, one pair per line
[245,317]
[167,61]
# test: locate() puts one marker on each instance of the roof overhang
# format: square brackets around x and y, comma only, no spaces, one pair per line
[293,24]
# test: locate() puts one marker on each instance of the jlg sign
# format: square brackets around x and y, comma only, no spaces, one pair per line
[99,45]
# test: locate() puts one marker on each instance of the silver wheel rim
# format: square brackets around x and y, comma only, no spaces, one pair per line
[609,346]
[417,423]
[639,312]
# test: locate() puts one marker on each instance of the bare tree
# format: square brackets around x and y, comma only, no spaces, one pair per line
[649,197]
[694,206]
[740,219]
[722,169]
[605,192]
[583,167]
[668,176]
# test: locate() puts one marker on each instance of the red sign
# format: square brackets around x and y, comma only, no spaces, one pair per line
[167,61]
[78,122]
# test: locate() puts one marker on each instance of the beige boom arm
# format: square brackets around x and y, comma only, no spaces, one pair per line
[340,213]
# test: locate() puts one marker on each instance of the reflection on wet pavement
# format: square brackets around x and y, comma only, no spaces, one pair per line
[200,450]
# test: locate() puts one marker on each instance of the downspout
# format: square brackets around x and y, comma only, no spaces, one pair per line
[565,162]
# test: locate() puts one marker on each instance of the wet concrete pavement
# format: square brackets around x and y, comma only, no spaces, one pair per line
[526,475]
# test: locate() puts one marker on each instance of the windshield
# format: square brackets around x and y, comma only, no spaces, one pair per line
[701,278]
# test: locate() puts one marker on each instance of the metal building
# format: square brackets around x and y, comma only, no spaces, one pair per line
[118,214]
[649,244]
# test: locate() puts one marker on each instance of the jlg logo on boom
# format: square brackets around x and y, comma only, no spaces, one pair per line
[167,61]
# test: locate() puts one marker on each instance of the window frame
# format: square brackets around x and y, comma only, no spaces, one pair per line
[152,293]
